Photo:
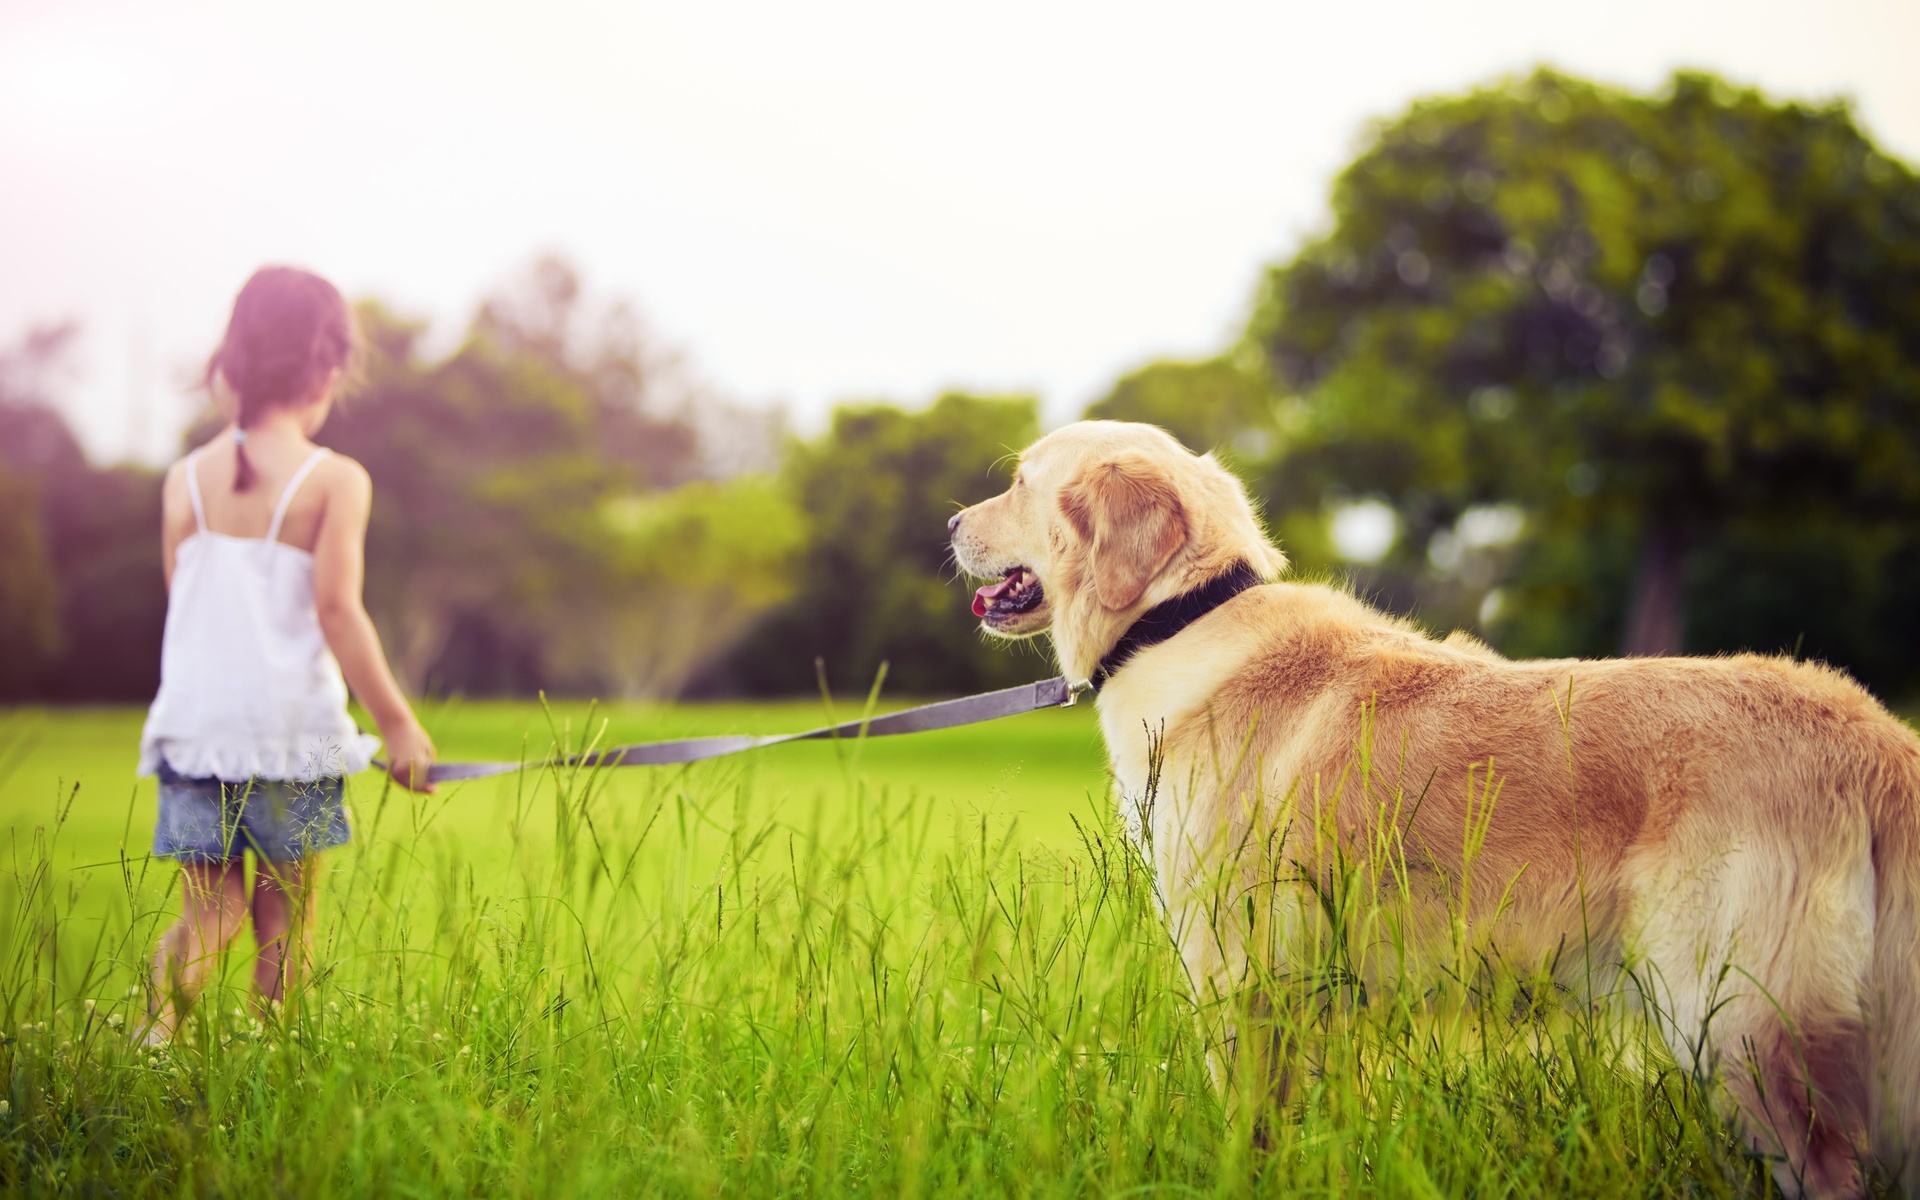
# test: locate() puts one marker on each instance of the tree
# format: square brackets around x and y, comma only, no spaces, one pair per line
[548,513]
[535,496]
[690,570]
[487,468]
[875,584]
[29,594]
[82,599]
[538,523]
[1214,403]
[1654,322]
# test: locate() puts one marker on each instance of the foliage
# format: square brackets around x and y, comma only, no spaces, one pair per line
[692,569]
[1670,318]
[81,597]
[694,983]
[29,593]
[875,584]
[495,560]
[1211,404]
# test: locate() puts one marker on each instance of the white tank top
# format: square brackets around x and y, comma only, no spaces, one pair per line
[248,687]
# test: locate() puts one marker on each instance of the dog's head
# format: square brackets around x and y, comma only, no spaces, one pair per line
[1105,519]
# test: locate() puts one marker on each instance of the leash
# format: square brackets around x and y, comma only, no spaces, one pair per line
[1154,626]
[923,718]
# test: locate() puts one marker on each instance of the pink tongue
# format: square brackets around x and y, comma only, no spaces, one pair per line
[987,595]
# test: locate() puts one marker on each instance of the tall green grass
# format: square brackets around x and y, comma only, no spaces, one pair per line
[695,990]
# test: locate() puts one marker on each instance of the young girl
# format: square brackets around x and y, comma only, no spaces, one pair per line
[264,539]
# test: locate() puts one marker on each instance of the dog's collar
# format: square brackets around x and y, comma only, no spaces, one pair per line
[1169,617]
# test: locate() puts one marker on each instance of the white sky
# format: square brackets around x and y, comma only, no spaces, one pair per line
[817,201]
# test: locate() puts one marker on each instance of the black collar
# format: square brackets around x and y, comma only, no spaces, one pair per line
[1169,617]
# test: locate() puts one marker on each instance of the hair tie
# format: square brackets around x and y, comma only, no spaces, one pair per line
[239,437]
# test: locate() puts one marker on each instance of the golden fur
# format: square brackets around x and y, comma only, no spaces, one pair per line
[1687,814]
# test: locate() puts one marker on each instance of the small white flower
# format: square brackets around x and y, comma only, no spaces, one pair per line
[90,1004]
[348,1045]
[466,1050]
[116,1020]
[6,1109]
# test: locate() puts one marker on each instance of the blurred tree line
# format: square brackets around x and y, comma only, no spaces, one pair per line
[1602,372]
[556,506]
[877,585]
[548,509]
[81,596]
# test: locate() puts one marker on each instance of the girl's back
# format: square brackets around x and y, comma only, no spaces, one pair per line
[248,514]
[249,688]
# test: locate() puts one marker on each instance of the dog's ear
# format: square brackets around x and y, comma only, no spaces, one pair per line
[1129,515]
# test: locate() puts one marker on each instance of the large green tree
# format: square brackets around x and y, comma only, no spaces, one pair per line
[1664,325]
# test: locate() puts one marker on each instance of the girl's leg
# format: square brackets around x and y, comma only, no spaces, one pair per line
[282,926]
[212,909]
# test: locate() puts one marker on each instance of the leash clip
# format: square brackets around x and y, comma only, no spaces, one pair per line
[1075,691]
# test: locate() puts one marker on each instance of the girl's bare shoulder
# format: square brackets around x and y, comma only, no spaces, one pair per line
[173,487]
[343,478]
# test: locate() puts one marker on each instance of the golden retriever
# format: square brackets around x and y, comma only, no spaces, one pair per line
[1735,839]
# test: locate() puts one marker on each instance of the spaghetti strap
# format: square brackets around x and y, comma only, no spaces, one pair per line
[293,485]
[193,491]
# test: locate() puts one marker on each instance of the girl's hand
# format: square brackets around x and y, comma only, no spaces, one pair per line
[410,755]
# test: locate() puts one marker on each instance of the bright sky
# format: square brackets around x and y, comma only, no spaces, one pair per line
[816,201]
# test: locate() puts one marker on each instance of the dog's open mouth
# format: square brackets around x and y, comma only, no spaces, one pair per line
[1017,592]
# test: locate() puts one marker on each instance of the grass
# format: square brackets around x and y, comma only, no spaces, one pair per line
[924,966]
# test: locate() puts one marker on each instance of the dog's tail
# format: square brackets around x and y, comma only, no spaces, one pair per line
[1894,1062]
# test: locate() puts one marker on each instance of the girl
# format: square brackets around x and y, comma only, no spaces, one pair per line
[264,538]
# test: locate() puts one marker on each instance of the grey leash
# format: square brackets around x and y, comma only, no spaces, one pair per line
[923,718]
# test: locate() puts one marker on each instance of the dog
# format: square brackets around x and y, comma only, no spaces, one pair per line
[1737,838]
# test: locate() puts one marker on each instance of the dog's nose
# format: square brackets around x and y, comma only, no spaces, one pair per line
[953,524]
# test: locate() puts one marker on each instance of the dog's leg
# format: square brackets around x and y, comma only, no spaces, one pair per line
[1795,1093]
[1253,1033]
[1263,1050]
[1761,1002]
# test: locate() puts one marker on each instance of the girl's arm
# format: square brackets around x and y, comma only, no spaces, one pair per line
[176,517]
[339,571]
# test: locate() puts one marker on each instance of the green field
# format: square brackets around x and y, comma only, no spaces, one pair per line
[916,966]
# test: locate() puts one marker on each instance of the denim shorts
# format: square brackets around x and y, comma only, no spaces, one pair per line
[205,820]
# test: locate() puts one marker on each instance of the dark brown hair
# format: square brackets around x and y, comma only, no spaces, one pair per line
[288,330]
